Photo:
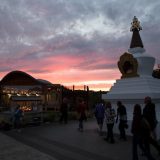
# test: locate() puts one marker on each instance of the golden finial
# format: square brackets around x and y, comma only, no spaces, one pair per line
[135,24]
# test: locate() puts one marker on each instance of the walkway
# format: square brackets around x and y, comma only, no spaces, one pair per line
[63,142]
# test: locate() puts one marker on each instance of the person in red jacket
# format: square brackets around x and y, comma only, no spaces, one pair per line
[81,109]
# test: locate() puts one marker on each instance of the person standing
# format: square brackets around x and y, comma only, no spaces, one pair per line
[110,119]
[141,133]
[18,114]
[81,110]
[122,117]
[135,130]
[64,111]
[99,114]
[150,116]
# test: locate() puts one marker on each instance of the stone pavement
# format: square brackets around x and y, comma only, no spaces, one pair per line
[11,149]
[64,142]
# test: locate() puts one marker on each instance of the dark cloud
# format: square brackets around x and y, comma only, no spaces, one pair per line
[5,69]
[36,30]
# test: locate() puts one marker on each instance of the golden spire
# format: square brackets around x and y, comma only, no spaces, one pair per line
[135,24]
[136,38]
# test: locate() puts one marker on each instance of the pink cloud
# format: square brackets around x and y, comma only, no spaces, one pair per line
[72,70]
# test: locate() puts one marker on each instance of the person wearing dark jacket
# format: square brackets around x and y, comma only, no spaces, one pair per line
[81,110]
[150,115]
[18,114]
[141,134]
[99,114]
[64,111]
[122,116]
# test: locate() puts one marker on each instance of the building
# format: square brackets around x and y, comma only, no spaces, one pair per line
[136,81]
[20,88]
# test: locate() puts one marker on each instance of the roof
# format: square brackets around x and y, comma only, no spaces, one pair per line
[44,81]
[19,78]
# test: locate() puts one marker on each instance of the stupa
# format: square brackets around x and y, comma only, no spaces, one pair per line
[136,82]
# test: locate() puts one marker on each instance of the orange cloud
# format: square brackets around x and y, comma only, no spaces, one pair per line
[72,70]
[96,80]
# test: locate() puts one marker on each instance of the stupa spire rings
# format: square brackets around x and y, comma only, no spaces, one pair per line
[135,25]
[136,38]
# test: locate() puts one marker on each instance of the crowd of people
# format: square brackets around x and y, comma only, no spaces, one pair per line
[105,112]
[143,127]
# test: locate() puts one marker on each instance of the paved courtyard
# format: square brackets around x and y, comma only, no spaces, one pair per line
[64,142]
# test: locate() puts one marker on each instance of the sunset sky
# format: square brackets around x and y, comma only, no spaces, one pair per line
[74,42]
